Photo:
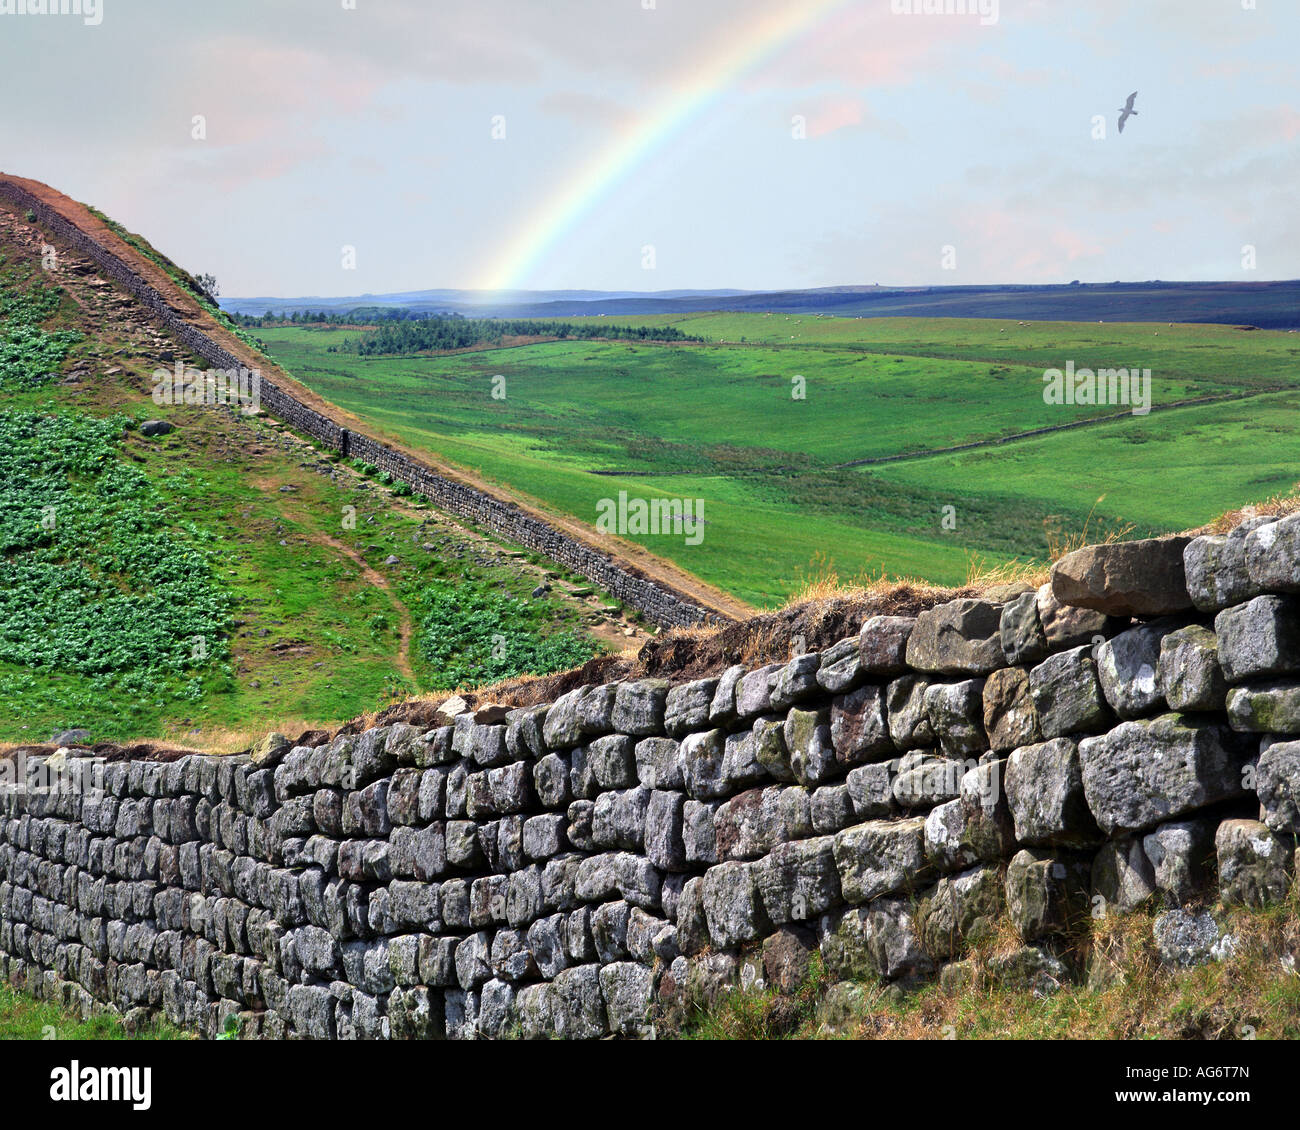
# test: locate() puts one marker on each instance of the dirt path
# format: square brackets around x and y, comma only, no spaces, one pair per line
[628,555]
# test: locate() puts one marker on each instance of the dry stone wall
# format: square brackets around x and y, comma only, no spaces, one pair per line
[658,601]
[582,868]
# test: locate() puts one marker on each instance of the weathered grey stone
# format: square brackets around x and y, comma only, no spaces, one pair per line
[1067,694]
[1270,706]
[798,881]
[511,787]
[1215,566]
[787,957]
[1126,578]
[639,707]
[609,930]
[1188,671]
[687,707]
[1185,938]
[976,826]
[473,957]
[873,941]
[1255,864]
[546,944]
[597,878]
[436,959]
[922,780]
[1044,784]
[611,762]
[596,709]
[740,766]
[960,910]
[579,831]
[1277,781]
[1122,876]
[882,645]
[1273,555]
[702,754]
[909,725]
[664,846]
[832,809]
[626,987]
[751,824]
[1126,667]
[723,707]
[1034,968]
[795,682]
[956,713]
[1260,637]
[551,780]
[732,906]
[840,667]
[871,791]
[618,819]
[881,857]
[859,726]
[1181,853]
[544,835]
[698,834]
[581,1006]
[754,693]
[639,882]
[958,638]
[1010,717]
[1144,773]
[659,763]
[562,729]
[460,1010]
[808,739]
[524,737]
[535,1007]
[692,923]
[1066,626]
[1047,894]
[511,959]
[770,750]
[1021,632]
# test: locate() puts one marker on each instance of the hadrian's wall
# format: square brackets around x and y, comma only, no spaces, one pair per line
[1126,736]
[660,603]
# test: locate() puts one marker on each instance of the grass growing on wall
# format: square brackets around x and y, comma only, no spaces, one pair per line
[23,1017]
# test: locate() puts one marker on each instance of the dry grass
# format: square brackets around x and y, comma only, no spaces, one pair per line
[1129,994]
[1278,506]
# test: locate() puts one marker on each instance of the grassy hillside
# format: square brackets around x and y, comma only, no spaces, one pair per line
[226,578]
[718,422]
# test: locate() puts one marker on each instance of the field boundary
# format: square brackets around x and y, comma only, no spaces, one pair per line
[661,602]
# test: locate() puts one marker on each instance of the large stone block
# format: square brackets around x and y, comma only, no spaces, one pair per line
[1044,784]
[1126,667]
[1126,578]
[1260,637]
[860,727]
[1273,555]
[1144,773]
[882,645]
[798,881]
[1277,781]
[1047,894]
[958,638]
[733,908]
[1010,717]
[1268,706]
[1256,865]
[1067,694]
[881,857]
[1215,566]
[1188,671]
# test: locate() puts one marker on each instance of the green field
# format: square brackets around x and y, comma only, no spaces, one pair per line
[718,422]
[227,578]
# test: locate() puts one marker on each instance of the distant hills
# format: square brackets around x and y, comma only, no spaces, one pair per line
[1268,305]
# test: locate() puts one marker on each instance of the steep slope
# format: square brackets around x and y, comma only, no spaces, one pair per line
[204,585]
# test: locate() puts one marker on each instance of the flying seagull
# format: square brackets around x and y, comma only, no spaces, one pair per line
[1126,111]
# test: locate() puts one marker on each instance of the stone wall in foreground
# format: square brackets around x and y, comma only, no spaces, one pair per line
[660,603]
[1124,736]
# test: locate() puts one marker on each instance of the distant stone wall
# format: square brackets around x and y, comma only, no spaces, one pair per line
[658,602]
[1128,735]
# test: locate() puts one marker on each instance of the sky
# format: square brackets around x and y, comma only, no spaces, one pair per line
[661,144]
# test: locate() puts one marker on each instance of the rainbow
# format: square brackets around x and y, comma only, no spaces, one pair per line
[692,96]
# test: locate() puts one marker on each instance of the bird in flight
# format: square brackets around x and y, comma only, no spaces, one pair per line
[1126,111]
